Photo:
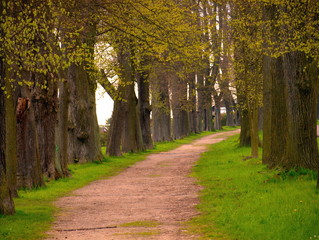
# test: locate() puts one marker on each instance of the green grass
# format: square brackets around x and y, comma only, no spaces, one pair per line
[140,224]
[139,234]
[35,209]
[245,200]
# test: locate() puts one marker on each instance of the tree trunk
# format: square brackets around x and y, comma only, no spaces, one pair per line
[45,109]
[160,104]
[61,137]
[84,137]
[7,173]
[84,143]
[201,101]
[205,102]
[11,139]
[301,77]
[193,114]
[132,140]
[29,170]
[275,112]
[217,118]
[144,107]
[253,117]
[181,126]
[261,118]
[125,126]
[116,130]
[230,111]
[245,136]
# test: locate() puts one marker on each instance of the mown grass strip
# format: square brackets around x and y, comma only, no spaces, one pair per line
[35,208]
[244,200]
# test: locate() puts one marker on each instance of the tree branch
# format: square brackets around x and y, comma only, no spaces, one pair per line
[107,85]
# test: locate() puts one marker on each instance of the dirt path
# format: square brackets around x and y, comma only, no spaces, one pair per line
[150,200]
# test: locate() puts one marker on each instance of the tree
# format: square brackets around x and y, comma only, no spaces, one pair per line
[6,194]
[290,68]
[83,138]
[294,49]
[32,60]
[147,36]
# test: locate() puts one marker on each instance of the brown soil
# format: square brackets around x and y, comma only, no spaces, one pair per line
[150,200]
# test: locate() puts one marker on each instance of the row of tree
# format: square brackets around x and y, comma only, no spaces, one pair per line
[54,52]
[180,78]
[276,46]
[165,64]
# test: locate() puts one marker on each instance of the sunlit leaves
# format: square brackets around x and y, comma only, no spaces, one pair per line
[40,37]
[292,26]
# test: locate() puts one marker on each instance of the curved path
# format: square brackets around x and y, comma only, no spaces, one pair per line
[150,200]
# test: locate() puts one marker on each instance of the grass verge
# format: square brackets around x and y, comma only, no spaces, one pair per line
[35,208]
[245,200]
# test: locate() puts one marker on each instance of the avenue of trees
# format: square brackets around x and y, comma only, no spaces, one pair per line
[169,66]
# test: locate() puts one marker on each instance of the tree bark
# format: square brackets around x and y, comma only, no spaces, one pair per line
[84,143]
[301,78]
[275,112]
[7,173]
[11,139]
[45,109]
[205,88]
[181,125]
[116,130]
[245,136]
[160,104]
[125,126]
[61,132]
[253,112]
[29,170]
[193,114]
[217,118]
[84,139]
[144,106]
[132,140]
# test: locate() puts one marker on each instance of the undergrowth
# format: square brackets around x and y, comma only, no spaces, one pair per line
[35,208]
[245,200]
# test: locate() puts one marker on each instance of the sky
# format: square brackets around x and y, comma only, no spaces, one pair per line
[104,105]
